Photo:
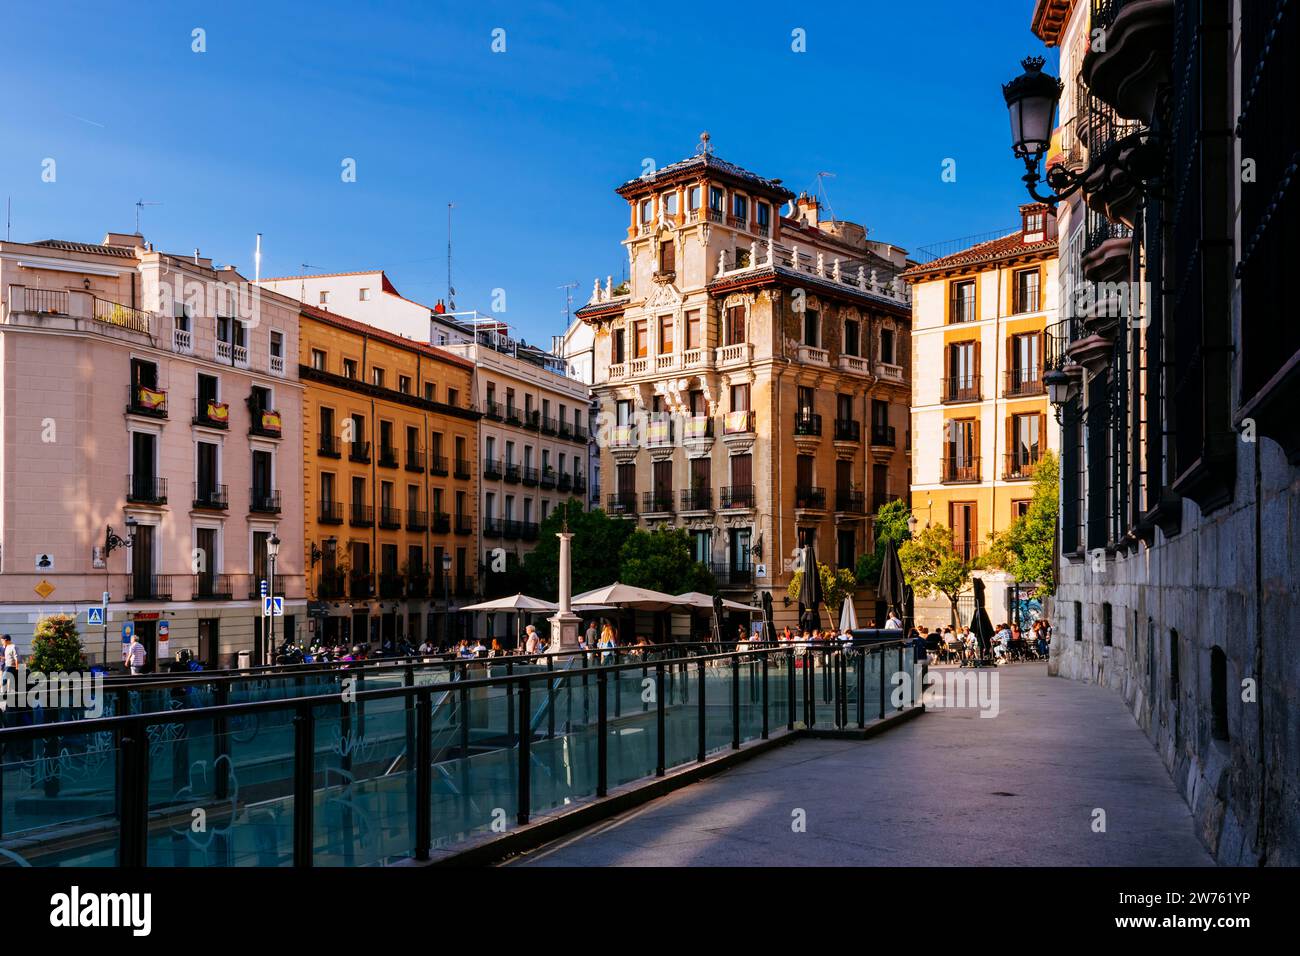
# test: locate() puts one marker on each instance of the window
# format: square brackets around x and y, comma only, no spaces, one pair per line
[377,377]
[887,347]
[669,201]
[639,345]
[852,336]
[735,322]
[665,334]
[277,344]
[812,328]
[349,368]
[667,256]
[693,198]
[1025,361]
[618,348]
[762,215]
[363,294]
[1107,624]
[453,396]
[404,384]
[693,337]
[739,207]
[845,550]
[701,546]
[963,302]
[1019,507]
[965,531]
[318,360]
[1024,443]
[428,392]
[1026,291]
[715,198]
[961,450]
[740,397]
[647,210]
[324,297]
[963,384]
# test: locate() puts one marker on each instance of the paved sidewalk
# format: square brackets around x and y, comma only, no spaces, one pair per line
[950,788]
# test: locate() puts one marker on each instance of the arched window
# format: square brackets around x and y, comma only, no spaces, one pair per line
[1218,693]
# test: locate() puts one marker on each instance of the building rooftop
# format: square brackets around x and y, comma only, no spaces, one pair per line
[1011,246]
[392,338]
[94,248]
[706,161]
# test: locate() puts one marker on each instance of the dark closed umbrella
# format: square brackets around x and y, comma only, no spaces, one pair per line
[717,617]
[892,589]
[768,617]
[981,627]
[810,589]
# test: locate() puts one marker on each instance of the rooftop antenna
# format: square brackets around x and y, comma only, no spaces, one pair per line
[257,259]
[9,216]
[302,280]
[139,204]
[821,191]
[568,288]
[451,289]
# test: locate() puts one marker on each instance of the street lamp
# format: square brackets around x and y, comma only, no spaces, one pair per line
[113,541]
[1031,102]
[1062,387]
[446,591]
[272,552]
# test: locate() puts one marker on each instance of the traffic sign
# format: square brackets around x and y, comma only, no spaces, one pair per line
[95,615]
[273,605]
[127,629]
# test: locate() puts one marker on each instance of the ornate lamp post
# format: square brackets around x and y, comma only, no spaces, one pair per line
[112,541]
[446,593]
[272,552]
[1031,101]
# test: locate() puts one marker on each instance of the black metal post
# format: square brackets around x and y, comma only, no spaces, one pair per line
[735,702]
[862,687]
[660,720]
[304,733]
[602,733]
[764,696]
[423,774]
[881,655]
[525,747]
[702,716]
[134,758]
[790,688]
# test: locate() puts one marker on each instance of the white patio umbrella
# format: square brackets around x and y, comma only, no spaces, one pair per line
[704,602]
[626,596]
[848,616]
[515,602]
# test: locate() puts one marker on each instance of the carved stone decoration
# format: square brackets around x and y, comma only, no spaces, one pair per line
[665,296]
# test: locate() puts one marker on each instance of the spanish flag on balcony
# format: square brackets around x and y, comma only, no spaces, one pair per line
[218,411]
[271,421]
[152,399]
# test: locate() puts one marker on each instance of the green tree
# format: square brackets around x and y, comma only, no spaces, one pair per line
[596,539]
[932,565]
[890,525]
[837,587]
[56,646]
[1026,550]
[662,561]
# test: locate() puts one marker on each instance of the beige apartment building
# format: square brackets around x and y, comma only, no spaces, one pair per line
[752,378]
[152,422]
[980,416]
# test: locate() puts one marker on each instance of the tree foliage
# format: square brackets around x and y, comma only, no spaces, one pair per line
[1026,550]
[597,538]
[56,646]
[890,525]
[932,565]
[837,587]
[661,560]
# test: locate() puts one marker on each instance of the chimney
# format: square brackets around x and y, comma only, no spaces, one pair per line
[1034,222]
[807,209]
[439,308]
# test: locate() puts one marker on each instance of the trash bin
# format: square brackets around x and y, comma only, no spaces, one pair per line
[245,660]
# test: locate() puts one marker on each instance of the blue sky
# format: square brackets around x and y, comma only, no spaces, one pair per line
[529,144]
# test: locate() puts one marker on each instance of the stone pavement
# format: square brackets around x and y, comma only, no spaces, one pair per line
[950,788]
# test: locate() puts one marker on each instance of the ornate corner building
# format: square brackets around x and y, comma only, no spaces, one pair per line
[751,374]
[1180,529]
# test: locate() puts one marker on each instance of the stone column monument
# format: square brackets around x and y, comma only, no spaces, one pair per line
[564,624]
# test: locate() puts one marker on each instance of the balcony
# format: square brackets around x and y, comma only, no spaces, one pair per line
[492,411]
[390,518]
[229,354]
[265,422]
[512,416]
[889,373]
[957,471]
[812,355]
[738,423]
[883,435]
[623,436]
[213,587]
[510,529]
[847,429]
[512,474]
[392,585]
[960,388]
[359,451]
[331,585]
[728,576]
[565,430]
[657,502]
[417,584]
[416,520]
[1018,466]
[464,587]
[660,433]
[563,481]
[1024,382]
[529,530]
[440,523]
[492,527]
[548,425]
[529,476]
[580,434]
[532,420]
[361,516]
[850,502]
[878,501]
[810,498]
[361,584]
[328,446]
[387,456]
[143,400]
[579,484]
[492,469]
[697,499]
[1133,65]
[464,524]
[463,470]
[807,422]
[211,413]
[438,465]
[622,503]
[149,587]
[697,428]
[264,501]
[547,478]
[146,490]
[740,354]
[112,313]
[415,460]
[735,498]
[330,512]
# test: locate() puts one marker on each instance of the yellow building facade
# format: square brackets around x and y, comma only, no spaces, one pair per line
[980,417]
[389,484]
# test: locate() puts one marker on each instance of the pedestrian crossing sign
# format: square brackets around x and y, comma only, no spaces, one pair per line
[273,605]
[95,615]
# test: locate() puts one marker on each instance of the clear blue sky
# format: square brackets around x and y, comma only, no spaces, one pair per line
[249,136]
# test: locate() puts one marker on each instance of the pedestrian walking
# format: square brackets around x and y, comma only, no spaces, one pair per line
[135,657]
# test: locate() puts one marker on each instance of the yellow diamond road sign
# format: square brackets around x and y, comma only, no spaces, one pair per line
[45,588]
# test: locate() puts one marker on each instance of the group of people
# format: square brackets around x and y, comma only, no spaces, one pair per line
[1009,643]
